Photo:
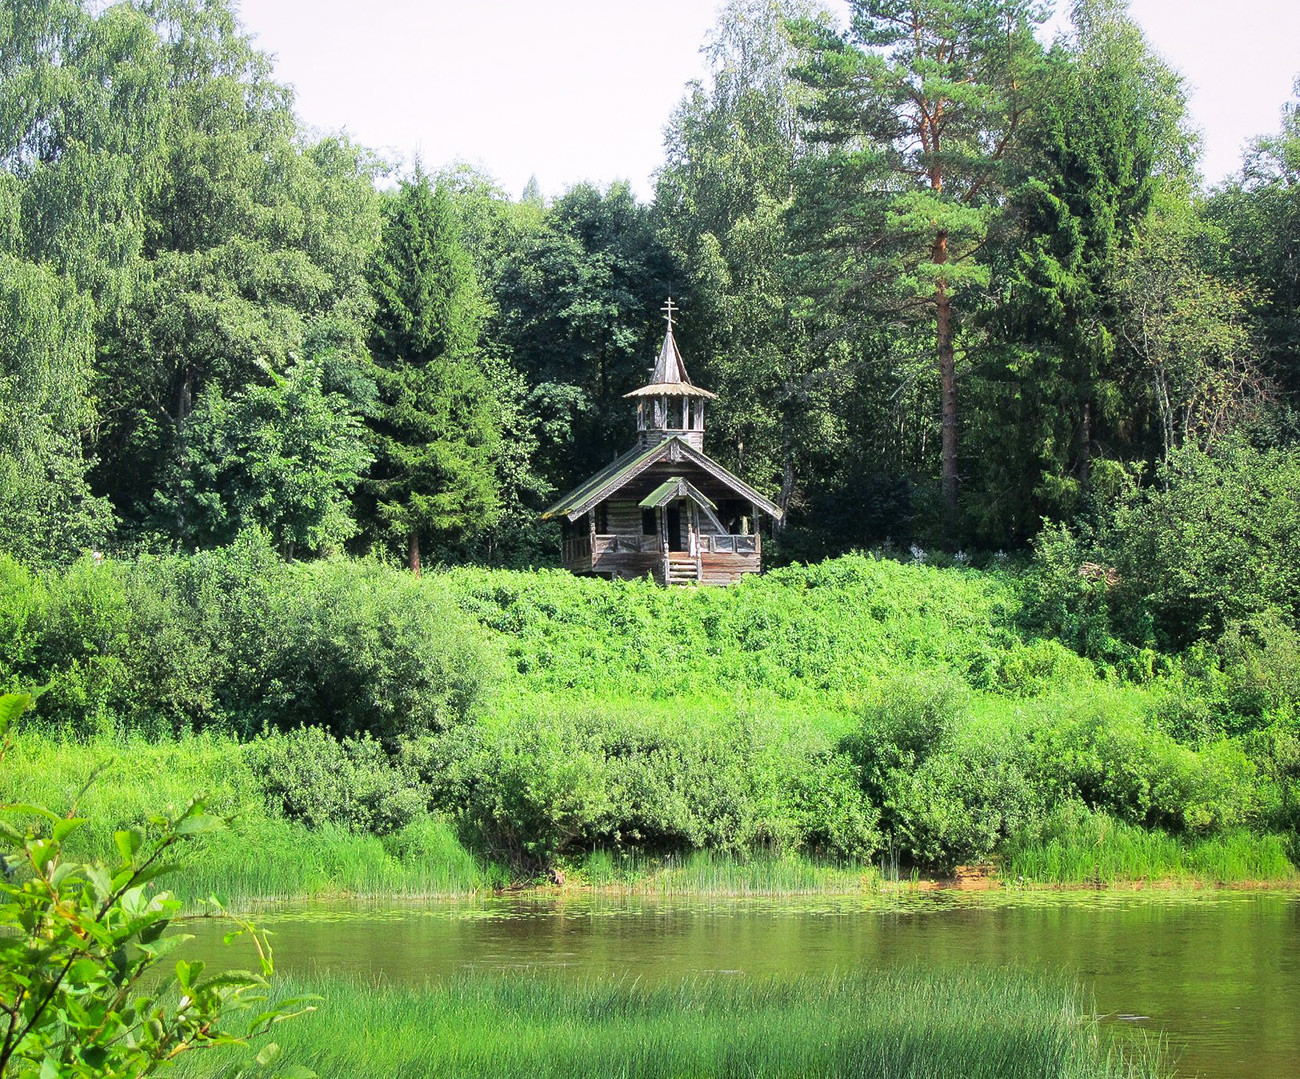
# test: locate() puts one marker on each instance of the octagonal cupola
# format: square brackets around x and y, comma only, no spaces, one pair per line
[670,404]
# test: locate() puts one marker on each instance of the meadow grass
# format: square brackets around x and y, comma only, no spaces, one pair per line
[1097,849]
[976,1024]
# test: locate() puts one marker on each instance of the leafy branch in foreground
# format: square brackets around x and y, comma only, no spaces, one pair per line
[79,944]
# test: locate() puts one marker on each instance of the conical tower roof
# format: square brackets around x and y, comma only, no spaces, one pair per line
[669,375]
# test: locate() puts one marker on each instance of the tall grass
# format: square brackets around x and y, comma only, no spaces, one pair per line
[713,874]
[261,856]
[1074,847]
[912,1022]
[269,860]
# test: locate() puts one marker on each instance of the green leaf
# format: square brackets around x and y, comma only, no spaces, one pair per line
[12,706]
[199,825]
[32,810]
[66,827]
[128,842]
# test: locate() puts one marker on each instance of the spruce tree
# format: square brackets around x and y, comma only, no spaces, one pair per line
[435,428]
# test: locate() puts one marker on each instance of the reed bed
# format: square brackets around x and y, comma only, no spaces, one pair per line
[973,1025]
[1101,850]
[715,874]
[268,860]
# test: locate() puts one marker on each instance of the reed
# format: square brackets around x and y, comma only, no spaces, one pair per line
[1073,848]
[975,1024]
[719,874]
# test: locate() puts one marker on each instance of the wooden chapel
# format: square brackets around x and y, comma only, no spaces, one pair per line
[665,509]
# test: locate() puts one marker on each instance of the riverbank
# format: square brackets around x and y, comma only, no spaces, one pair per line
[372,734]
[976,1024]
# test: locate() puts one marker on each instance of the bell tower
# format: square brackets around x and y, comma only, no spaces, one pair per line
[670,404]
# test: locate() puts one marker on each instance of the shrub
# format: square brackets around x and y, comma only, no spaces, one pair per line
[1215,541]
[947,793]
[309,776]
[238,641]
[1113,760]
[362,649]
[551,785]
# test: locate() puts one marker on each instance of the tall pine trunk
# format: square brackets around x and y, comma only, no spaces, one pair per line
[413,552]
[947,389]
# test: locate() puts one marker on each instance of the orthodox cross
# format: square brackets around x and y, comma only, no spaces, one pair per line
[669,307]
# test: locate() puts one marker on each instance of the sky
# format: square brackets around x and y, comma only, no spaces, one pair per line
[580,90]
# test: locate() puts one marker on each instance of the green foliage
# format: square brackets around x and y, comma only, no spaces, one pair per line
[436,430]
[307,775]
[1119,762]
[47,512]
[768,720]
[361,649]
[82,945]
[546,786]
[237,640]
[572,293]
[1212,543]
[1099,142]
[1076,845]
[283,458]
[813,633]
[947,795]
[1259,213]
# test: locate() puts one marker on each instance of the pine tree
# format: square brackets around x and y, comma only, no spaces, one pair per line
[920,106]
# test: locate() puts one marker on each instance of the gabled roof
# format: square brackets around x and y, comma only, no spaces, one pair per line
[675,487]
[619,472]
[669,375]
[680,487]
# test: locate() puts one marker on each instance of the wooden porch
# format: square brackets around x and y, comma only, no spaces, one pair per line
[707,559]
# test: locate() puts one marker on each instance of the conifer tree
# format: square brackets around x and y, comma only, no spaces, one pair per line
[435,428]
[920,105]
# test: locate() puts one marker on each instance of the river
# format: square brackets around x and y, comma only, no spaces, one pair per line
[1216,973]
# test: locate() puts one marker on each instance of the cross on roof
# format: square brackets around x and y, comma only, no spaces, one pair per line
[669,307]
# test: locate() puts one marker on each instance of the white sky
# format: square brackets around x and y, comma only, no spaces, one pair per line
[573,90]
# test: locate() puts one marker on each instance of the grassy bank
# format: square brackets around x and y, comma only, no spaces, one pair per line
[1076,848]
[374,734]
[974,1025]
[310,834]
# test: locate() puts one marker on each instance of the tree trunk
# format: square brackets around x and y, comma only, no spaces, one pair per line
[184,405]
[1085,444]
[787,488]
[413,552]
[947,389]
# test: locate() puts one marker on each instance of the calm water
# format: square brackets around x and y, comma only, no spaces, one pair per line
[1218,974]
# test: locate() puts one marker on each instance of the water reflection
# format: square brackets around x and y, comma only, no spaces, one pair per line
[1218,973]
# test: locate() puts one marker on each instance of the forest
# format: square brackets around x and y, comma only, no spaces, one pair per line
[949,287]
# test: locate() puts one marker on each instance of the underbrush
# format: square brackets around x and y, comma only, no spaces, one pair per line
[911,1022]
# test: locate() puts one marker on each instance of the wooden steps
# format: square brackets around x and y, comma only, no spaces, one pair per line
[682,568]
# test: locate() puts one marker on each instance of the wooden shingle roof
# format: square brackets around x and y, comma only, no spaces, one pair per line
[627,467]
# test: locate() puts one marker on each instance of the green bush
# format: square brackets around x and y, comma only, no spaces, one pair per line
[947,794]
[239,641]
[1122,763]
[551,785]
[362,649]
[309,776]
[1216,540]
